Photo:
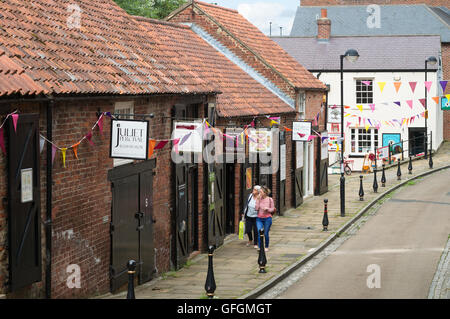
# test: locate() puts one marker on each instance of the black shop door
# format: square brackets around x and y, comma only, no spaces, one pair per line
[24,220]
[298,173]
[282,174]
[416,140]
[322,165]
[132,222]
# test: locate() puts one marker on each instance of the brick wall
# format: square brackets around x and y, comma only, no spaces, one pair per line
[367,2]
[446,76]
[82,196]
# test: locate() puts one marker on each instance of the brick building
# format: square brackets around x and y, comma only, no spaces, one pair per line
[63,67]
[319,3]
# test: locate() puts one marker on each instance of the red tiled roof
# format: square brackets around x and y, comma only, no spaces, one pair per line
[241,94]
[109,53]
[262,45]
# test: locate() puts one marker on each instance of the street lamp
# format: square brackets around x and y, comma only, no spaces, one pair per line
[432,60]
[351,55]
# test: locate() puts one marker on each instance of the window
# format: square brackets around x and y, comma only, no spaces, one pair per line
[364,92]
[363,140]
[123,108]
[301,98]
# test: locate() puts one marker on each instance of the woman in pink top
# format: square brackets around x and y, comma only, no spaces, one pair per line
[265,207]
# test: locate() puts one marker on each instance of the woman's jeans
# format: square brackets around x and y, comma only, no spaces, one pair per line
[250,226]
[264,223]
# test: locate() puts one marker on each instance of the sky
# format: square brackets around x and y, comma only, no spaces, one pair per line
[259,12]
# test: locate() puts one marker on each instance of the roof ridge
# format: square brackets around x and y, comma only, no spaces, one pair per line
[156,21]
[214,6]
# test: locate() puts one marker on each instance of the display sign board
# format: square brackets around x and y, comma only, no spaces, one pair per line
[282,162]
[26,181]
[194,142]
[129,139]
[383,152]
[333,142]
[324,146]
[235,145]
[301,131]
[334,114]
[260,140]
[445,103]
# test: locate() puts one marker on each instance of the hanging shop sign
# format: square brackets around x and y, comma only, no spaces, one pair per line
[333,142]
[260,140]
[334,114]
[282,162]
[129,139]
[324,145]
[445,103]
[194,131]
[235,143]
[301,131]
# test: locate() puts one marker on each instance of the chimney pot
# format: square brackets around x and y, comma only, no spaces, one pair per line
[323,13]
[323,26]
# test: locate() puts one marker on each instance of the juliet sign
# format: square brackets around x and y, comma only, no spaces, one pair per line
[129,139]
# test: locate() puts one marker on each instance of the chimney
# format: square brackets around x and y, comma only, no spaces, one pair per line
[323,26]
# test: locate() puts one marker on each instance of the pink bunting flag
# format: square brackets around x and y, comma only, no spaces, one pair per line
[252,124]
[15,117]
[410,103]
[160,145]
[372,107]
[366,82]
[53,153]
[348,124]
[89,138]
[413,85]
[2,141]
[100,124]
[443,85]
[311,137]
[175,144]
[422,101]
[428,85]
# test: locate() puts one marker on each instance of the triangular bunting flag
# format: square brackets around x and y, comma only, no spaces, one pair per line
[348,124]
[398,103]
[360,107]
[397,86]
[41,144]
[443,85]
[311,137]
[366,82]
[185,138]
[151,147]
[75,149]
[89,138]
[63,152]
[372,107]
[161,144]
[413,86]
[428,85]
[410,103]
[2,141]
[301,135]
[422,101]
[436,99]
[15,118]
[286,128]
[381,85]
[53,153]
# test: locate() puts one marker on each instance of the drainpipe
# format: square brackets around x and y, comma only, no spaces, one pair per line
[48,221]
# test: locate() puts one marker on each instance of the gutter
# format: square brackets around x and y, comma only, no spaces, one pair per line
[49,186]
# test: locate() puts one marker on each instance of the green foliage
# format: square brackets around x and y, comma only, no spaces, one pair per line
[156,9]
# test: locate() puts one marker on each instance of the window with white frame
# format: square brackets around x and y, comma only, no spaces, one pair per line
[301,99]
[364,92]
[363,141]
[128,109]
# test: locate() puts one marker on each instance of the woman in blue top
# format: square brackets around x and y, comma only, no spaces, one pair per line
[250,217]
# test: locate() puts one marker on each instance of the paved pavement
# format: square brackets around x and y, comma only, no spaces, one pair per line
[402,244]
[292,236]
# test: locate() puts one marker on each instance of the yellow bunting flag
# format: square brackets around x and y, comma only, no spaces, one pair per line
[360,107]
[272,122]
[381,85]
[397,86]
[63,152]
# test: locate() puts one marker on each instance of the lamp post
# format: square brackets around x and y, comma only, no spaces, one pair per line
[351,55]
[432,60]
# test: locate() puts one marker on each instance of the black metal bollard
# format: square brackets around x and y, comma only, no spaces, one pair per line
[262,261]
[361,190]
[342,181]
[210,284]
[325,215]
[430,162]
[399,171]
[375,182]
[383,178]
[131,265]
[410,166]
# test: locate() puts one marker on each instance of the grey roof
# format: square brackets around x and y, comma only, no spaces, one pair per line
[395,20]
[376,52]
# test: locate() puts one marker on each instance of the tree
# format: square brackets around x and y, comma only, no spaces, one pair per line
[156,9]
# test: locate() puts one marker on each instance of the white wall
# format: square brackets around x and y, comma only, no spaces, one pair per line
[390,111]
